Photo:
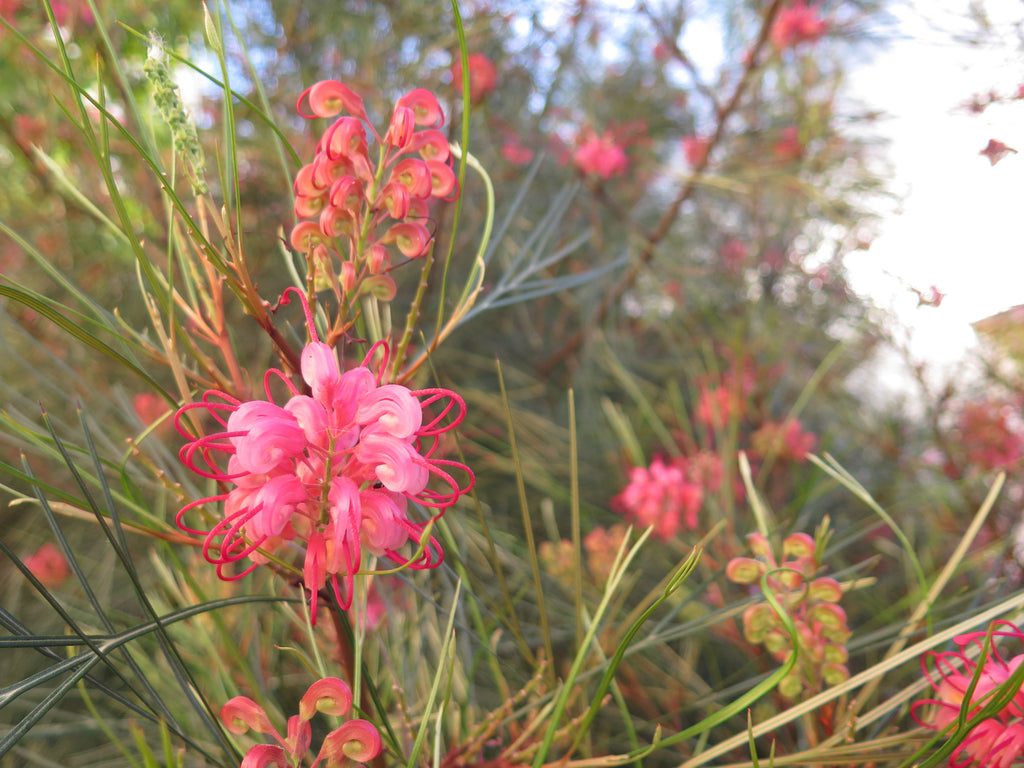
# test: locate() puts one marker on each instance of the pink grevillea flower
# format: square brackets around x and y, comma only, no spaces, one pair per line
[660,496]
[600,155]
[483,76]
[354,742]
[998,741]
[327,475]
[49,565]
[796,24]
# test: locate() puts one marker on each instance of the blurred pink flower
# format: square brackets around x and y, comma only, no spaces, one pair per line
[334,469]
[995,151]
[695,149]
[483,77]
[660,496]
[788,146]
[716,407]
[515,152]
[49,565]
[984,433]
[599,155]
[733,254]
[997,742]
[796,24]
[785,440]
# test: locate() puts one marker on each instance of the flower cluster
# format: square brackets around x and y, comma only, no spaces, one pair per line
[996,742]
[660,496]
[333,470]
[602,156]
[362,207]
[812,604]
[354,742]
[483,77]
[797,23]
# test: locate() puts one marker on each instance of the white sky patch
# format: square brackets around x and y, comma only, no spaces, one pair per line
[960,228]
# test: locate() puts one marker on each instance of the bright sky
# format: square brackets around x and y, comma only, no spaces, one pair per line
[961,226]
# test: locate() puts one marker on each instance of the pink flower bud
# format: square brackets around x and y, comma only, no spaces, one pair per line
[345,139]
[826,590]
[307,235]
[265,756]
[397,200]
[381,287]
[241,714]
[330,695]
[443,183]
[424,105]
[415,175]
[402,127]
[411,237]
[329,98]
[798,545]
[357,741]
[431,144]
[744,570]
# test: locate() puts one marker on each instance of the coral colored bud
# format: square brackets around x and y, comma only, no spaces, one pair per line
[829,615]
[345,139]
[348,276]
[265,756]
[347,193]
[306,236]
[242,713]
[744,570]
[397,200]
[415,175]
[825,589]
[431,144]
[483,76]
[379,260]
[759,546]
[300,735]
[776,641]
[424,105]
[331,695]
[411,237]
[306,207]
[402,127]
[798,545]
[442,180]
[380,287]
[335,221]
[329,98]
[355,741]
[305,182]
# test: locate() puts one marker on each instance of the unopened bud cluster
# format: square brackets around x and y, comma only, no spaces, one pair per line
[812,603]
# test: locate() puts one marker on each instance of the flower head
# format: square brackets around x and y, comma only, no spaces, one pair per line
[660,496]
[998,741]
[332,471]
[599,156]
[796,24]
